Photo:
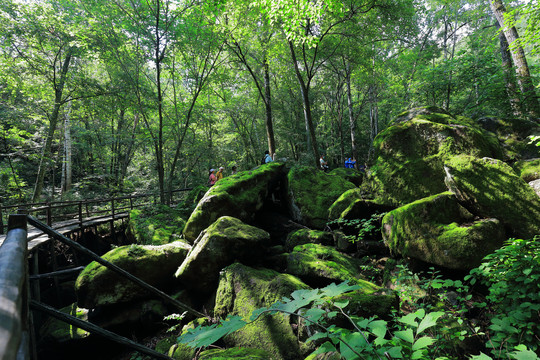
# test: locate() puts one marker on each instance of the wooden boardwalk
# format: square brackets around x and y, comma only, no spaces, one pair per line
[36,237]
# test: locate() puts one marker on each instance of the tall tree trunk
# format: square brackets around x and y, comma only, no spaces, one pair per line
[510,85]
[373,118]
[268,108]
[67,163]
[53,121]
[518,55]
[352,124]
[307,108]
[159,54]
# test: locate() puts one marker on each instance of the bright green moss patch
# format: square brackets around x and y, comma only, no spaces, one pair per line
[156,224]
[528,170]
[319,264]
[59,331]
[378,304]
[492,189]
[235,353]
[409,155]
[312,192]
[239,195]
[306,236]
[440,231]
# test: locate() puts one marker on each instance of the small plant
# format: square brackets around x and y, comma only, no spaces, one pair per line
[363,228]
[512,275]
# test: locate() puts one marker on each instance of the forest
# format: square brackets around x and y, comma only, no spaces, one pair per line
[427,248]
[123,96]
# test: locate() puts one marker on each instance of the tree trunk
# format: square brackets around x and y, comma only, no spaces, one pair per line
[518,55]
[67,163]
[352,125]
[307,108]
[373,117]
[53,121]
[268,108]
[510,85]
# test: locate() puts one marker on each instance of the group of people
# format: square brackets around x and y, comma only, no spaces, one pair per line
[350,163]
[213,176]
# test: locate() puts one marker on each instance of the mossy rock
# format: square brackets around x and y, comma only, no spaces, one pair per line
[241,291]
[348,174]
[535,185]
[311,193]
[528,170]
[320,265]
[57,331]
[225,241]
[238,353]
[240,195]
[307,236]
[192,198]
[352,205]
[97,285]
[409,156]
[515,135]
[491,189]
[380,303]
[440,231]
[156,224]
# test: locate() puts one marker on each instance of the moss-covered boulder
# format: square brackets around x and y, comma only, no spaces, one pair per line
[535,185]
[240,195]
[380,303]
[491,189]
[311,192]
[515,136]
[409,154]
[348,174]
[57,331]
[155,265]
[307,236]
[241,291]
[227,240]
[156,224]
[352,205]
[320,265]
[440,231]
[238,353]
[528,170]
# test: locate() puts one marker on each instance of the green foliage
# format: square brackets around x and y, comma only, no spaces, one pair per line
[363,229]
[512,275]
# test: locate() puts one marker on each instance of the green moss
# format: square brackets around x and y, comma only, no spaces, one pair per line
[312,192]
[305,236]
[156,225]
[316,263]
[59,331]
[438,230]
[492,189]
[240,195]
[409,156]
[351,175]
[365,305]
[235,353]
[528,170]
[241,291]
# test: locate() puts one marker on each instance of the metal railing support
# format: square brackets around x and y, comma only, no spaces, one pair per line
[14,313]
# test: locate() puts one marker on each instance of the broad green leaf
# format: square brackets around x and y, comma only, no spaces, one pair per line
[482,356]
[207,335]
[314,314]
[406,335]
[378,328]
[429,320]
[324,348]
[409,319]
[317,336]
[422,343]
[418,354]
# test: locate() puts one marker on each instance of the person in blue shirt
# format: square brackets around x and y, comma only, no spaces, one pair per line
[347,163]
[267,157]
[352,163]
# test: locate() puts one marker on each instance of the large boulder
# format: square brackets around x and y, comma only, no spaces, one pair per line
[438,230]
[307,236]
[352,205]
[348,174]
[97,285]
[240,195]
[311,192]
[227,240]
[491,189]
[409,154]
[320,265]
[58,331]
[155,225]
[241,291]
[528,170]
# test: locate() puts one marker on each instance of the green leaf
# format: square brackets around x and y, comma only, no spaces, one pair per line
[409,319]
[314,314]
[418,354]
[429,321]
[378,328]
[482,356]
[207,335]
[406,335]
[324,348]
[422,343]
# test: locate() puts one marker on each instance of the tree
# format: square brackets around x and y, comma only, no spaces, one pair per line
[518,55]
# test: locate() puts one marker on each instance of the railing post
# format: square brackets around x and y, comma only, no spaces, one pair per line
[49,214]
[80,215]
[14,327]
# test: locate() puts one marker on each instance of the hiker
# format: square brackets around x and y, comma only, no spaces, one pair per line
[234,171]
[267,158]
[324,164]
[219,174]
[212,178]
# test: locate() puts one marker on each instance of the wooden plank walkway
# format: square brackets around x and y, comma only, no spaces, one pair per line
[36,237]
